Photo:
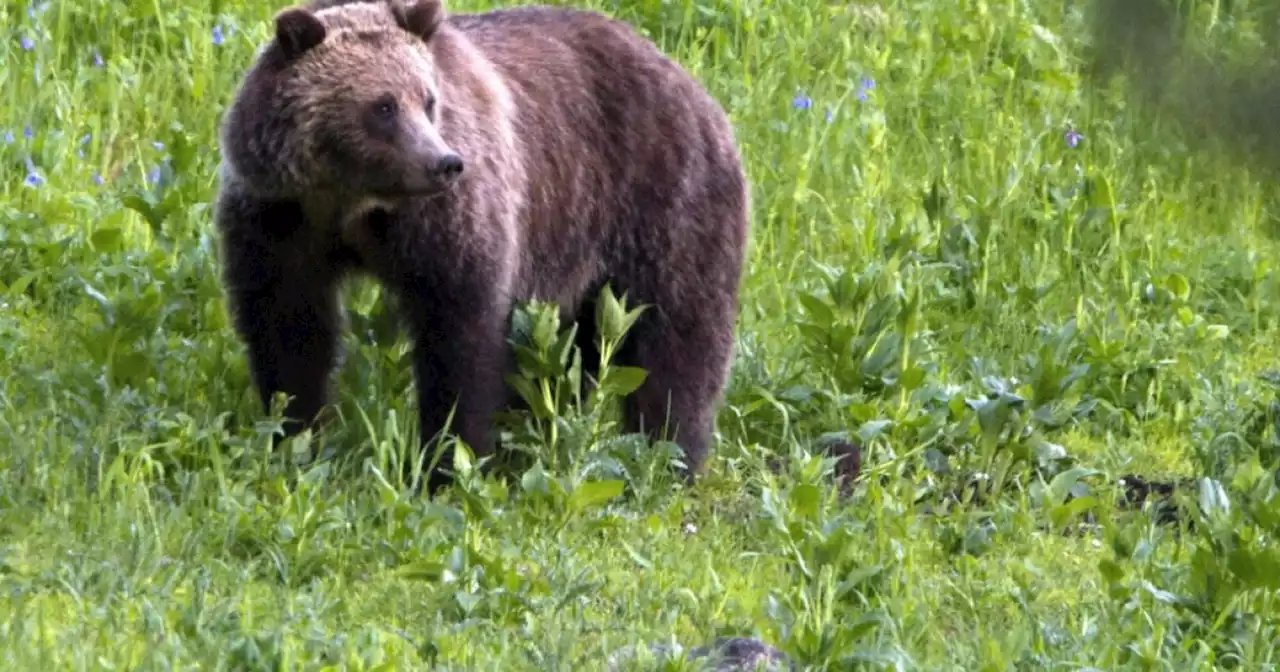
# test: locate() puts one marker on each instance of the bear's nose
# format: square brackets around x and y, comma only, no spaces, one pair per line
[450,165]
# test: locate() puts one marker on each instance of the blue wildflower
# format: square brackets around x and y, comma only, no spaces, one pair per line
[27,43]
[801,101]
[158,145]
[97,179]
[864,87]
[8,137]
[97,58]
[1073,138]
[831,115]
[155,175]
[83,141]
[218,37]
[28,133]
[34,178]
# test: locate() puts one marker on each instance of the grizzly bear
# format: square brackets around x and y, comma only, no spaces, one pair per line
[466,162]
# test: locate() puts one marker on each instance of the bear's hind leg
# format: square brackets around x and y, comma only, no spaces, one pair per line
[687,359]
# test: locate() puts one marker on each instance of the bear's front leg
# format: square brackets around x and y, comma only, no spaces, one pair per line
[284,304]
[459,362]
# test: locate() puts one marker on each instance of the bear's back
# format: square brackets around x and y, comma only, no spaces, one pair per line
[544,19]
[519,37]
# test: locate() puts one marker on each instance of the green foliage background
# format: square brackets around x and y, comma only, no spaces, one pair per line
[995,268]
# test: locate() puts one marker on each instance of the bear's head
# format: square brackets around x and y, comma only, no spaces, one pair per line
[344,102]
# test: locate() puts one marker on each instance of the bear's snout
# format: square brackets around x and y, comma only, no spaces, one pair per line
[449,166]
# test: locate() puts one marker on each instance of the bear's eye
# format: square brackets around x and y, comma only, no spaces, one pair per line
[385,107]
[430,106]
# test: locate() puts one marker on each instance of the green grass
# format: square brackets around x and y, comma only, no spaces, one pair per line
[934,270]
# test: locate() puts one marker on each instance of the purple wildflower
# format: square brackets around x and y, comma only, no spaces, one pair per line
[801,101]
[155,175]
[34,179]
[97,179]
[831,115]
[27,43]
[218,37]
[28,133]
[1073,138]
[158,145]
[8,137]
[866,85]
[83,141]
[97,58]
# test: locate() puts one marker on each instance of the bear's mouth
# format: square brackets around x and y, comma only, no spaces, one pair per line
[434,189]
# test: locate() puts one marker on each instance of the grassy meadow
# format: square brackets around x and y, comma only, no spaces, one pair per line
[1009,283]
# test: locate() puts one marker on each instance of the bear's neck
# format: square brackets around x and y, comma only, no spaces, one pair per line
[332,213]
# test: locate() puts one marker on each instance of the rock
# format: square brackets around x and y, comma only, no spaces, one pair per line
[728,654]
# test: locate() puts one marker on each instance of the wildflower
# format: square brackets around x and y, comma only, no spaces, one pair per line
[8,137]
[34,178]
[158,145]
[864,86]
[28,133]
[831,115]
[154,177]
[27,43]
[801,101]
[1073,138]
[97,179]
[218,37]
[83,141]
[97,58]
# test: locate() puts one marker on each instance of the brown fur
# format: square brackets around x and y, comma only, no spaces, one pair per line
[589,158]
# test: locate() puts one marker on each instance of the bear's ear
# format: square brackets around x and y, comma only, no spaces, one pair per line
[420,17]
[298,31]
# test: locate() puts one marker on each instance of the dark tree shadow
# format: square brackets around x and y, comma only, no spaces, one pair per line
[1223,104]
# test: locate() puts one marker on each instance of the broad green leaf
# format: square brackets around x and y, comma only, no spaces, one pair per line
[594,493]
[806,499]
[1062,484]
[1178,286]
[1213,498]
[107,239]
[1064,513]
[623,380]
[818,311]
[420,570]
